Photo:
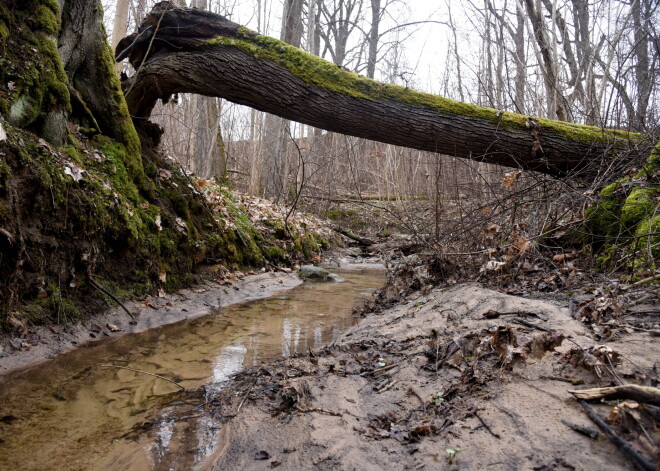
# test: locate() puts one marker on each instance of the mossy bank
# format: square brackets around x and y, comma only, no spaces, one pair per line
[84,197]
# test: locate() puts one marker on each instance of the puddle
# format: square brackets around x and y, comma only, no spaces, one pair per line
[76,412]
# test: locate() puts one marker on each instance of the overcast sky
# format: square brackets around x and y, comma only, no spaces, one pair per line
[425,50]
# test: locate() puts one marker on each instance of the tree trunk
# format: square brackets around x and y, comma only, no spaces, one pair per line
[374,37]
[208,147]
[120,25]
[641,13]
[93,82]
[214,56]
[276,132]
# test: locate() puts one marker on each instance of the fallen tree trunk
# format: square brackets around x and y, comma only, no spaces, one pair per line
[177,50]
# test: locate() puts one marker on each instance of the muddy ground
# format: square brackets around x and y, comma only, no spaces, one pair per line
[38,344]
[457,378]
[453,377]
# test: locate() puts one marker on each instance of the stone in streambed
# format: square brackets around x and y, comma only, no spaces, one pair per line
[311,272]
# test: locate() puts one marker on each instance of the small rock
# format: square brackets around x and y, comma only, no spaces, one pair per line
[310,272]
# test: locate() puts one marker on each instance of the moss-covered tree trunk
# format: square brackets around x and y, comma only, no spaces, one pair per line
[68,75]
[183,50]
[93,82]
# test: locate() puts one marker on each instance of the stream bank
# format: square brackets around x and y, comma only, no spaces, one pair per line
[45,342]
[459,377]
[89,408]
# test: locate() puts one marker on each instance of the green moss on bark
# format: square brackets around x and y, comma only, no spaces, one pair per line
[45,19]
[39,99]
[327,75]
[123,129]
[638,206]
[648,239]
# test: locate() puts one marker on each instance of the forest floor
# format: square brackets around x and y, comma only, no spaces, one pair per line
[438,375]
[453,377]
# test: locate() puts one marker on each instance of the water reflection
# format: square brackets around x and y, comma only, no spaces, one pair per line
[71,413]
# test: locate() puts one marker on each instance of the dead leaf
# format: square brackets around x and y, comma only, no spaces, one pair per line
[521,244]
[163,174]
[97,156]
[510,179]
[422,430]
[161,293]
[491,314]
[180,225]
[33,339]
[491,230]
[560,257]
[162,275]
[543,342]
[504,341]
[492,265]
[399,432]
[16,322]
[112,327]
[19,344]
[74,171]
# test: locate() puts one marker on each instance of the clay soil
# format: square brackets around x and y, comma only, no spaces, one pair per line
[462,377]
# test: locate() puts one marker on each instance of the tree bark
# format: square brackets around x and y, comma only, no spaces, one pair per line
[374,37]
[92,81]
[120,25]
[204,53]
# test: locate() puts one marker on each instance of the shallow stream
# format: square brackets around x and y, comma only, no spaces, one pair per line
[80,411]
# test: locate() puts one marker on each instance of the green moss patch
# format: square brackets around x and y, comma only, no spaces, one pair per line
[30,62]
[624,222]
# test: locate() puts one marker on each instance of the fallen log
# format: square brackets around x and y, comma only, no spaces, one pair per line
[182,50]
[362,241]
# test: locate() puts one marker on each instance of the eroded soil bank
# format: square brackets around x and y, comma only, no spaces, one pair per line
[457,378]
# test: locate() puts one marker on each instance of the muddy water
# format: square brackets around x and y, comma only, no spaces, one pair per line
[78,413]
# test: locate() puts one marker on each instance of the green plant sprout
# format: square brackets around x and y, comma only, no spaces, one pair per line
[438,399]
[452,454]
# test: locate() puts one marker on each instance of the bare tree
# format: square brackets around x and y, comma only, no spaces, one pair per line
[120,25]
[276,129]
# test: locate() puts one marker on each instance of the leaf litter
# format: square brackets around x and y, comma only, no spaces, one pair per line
[441,365]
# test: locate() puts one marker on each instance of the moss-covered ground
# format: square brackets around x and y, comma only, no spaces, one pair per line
[66,212]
